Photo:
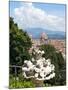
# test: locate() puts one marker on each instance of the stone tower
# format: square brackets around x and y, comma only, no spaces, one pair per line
[44,38]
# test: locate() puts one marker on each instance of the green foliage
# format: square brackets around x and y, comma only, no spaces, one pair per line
[47,85]
[23,83]
[58,60]
[19,44]
[48,49]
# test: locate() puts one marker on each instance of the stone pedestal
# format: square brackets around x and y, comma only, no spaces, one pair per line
[38,83]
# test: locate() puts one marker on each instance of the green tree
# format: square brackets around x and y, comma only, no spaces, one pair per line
[19,44]
[59,62]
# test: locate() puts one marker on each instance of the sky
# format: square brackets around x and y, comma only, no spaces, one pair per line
[38,15]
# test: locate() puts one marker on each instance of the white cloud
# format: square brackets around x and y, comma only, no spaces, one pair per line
[29,16]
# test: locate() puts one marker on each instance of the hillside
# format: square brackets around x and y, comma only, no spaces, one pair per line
[36,32]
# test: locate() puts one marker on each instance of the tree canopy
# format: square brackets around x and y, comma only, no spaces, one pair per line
[59,62]
[20,43]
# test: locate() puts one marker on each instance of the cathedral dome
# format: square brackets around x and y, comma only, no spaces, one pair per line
[44,36]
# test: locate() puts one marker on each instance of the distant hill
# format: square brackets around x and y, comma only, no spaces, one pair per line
[36,32]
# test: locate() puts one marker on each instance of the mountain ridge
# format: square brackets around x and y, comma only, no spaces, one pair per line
[36,32]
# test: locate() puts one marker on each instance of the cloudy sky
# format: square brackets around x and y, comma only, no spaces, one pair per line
[38,15]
